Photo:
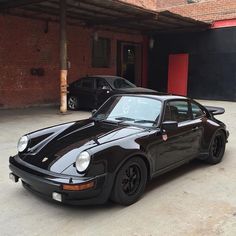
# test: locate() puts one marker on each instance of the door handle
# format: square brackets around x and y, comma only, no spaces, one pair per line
[195,128]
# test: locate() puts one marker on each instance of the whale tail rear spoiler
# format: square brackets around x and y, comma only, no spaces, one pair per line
[215,110]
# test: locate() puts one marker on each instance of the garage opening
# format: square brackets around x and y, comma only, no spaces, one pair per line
[129,61]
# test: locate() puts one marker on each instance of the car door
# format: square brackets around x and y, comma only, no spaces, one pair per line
[84,90]
[103,91]
[183,143]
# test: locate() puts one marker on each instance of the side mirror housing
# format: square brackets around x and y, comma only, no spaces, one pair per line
[169,125]
[106,88]
[94,111]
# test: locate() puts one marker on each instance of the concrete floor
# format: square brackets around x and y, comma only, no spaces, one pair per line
[195,199]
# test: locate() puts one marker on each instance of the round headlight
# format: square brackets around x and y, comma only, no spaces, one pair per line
[22,143]
[82,161]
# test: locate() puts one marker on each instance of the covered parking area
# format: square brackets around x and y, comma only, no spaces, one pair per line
[37,35]
[195,199]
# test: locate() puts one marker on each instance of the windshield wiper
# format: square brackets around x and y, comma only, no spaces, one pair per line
[124,118]
[145,121]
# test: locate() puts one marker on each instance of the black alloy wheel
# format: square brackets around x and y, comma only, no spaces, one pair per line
[217,148]
[130,182]
[72,103]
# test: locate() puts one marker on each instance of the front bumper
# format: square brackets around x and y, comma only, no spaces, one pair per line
[46,184]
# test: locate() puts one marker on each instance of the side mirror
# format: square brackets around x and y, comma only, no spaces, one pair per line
[106,88]
[94,111]
[169,125]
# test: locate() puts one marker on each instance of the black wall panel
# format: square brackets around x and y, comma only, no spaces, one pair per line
[212,65]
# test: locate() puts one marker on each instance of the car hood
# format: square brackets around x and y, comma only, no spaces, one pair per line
[57,147]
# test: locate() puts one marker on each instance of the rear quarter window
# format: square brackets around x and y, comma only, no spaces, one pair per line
[197,111]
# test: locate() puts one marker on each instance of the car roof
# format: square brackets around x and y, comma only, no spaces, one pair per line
[162,97]
[105,76]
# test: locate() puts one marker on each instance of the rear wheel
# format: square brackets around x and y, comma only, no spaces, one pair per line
[130,182]
[217,148]
[73,103]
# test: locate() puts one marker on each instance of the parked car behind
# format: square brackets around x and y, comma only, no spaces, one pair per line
[92,91]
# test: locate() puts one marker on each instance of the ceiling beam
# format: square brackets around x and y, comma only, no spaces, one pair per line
[17,3]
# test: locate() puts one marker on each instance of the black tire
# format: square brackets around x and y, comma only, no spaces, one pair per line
[72,103]
[217,148]
[130,182]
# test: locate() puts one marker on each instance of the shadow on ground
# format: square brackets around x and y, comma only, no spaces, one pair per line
[151,186]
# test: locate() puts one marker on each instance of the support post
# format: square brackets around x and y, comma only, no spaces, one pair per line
[63,57]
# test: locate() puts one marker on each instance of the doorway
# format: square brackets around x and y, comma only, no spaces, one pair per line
[178,74]
[129,62]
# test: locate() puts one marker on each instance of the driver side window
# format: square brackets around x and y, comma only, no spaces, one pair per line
[101,84]
[177,111]
[88,83]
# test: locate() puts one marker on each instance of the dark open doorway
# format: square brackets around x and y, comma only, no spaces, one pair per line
[129,61]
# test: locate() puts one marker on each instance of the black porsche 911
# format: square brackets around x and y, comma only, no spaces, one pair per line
[112,155]
[92,91]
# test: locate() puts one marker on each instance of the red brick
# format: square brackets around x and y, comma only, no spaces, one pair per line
[25,45]
[209,11]
[148,4]
[169,3]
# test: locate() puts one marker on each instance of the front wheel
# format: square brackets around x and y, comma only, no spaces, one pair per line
[73,103]
[217,148]
[130,182]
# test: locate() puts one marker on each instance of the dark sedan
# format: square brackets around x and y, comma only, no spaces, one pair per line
[112,155]
[92,91]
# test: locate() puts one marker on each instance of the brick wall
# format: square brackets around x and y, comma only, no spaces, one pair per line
[148,4]
[208,10]
[170,3]
[25,45]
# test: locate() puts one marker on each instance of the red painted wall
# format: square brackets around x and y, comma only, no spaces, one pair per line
[178,74]
[223,24]
[25,45]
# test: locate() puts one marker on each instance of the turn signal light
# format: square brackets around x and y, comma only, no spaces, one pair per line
[78,187]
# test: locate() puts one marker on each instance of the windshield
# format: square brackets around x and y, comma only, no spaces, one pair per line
[130,110]
[120,83]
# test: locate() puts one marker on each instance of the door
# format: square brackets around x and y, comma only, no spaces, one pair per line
[84,90]
[103,91]
[178,74]
[181,144]
[129,62]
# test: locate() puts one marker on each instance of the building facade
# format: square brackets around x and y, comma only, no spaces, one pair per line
[27,45]
[200,64]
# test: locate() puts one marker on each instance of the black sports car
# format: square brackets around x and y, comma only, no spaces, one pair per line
[92,91]
[127,142]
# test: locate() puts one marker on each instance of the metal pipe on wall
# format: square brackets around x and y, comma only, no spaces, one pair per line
[63,57]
